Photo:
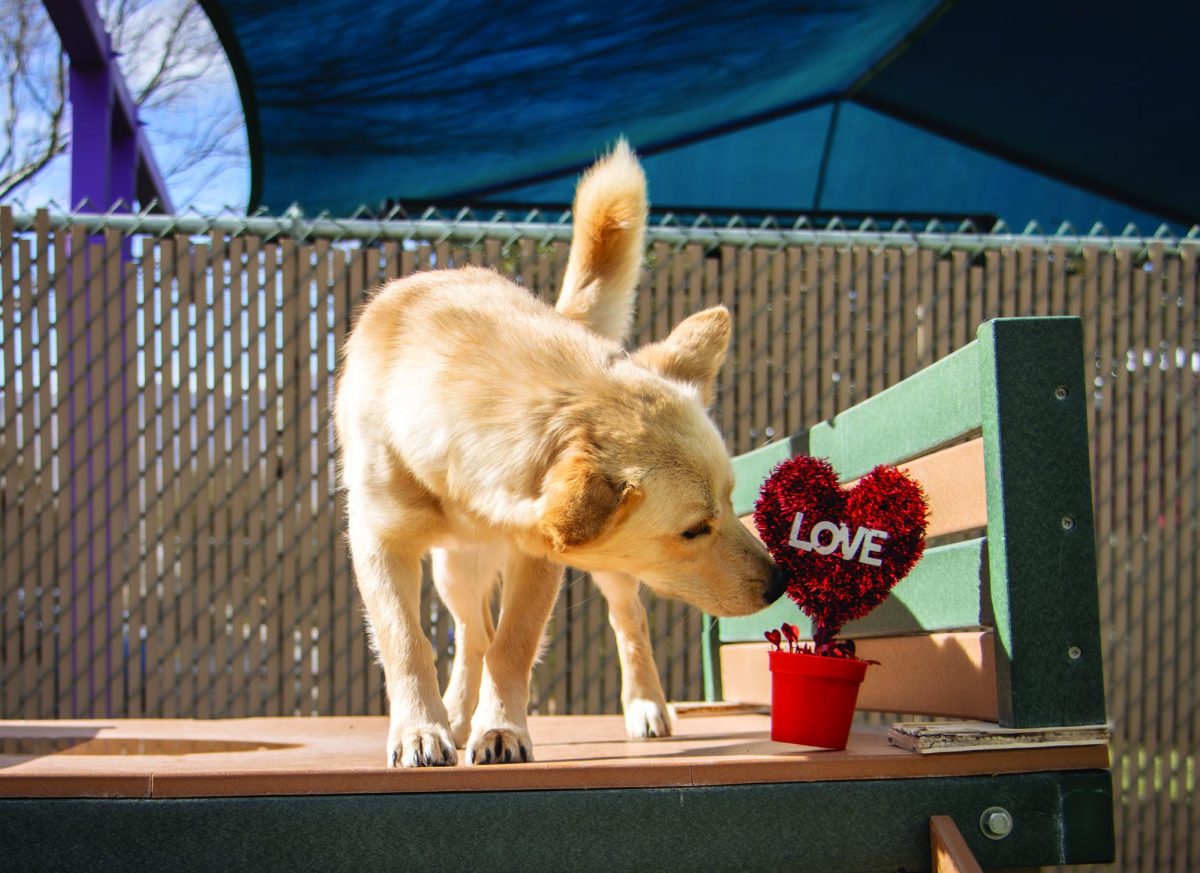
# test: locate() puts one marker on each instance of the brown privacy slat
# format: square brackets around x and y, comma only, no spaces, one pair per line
[943,674]
[281,504]
[326,523]
[910,323]
[160,634]
[23,679]
[309,413]
[216,560]
[926,297]
[844,330]
[127,699]
[1024,281]
[50,424]
[954,486]
[758,378]
[1153,518]
[116,480]
[262,470]
[791,380]
[778,306]
[10,463]
[826,387]
[950,852]
[190,587]
[858,326]
[243,510]
[1138,518]
[875,318]
[1188,712]
[943,321]
[100,565]
[959,316]
[74,474]
[232,694]
[208,523]
[1121,676]
[1169,675]
[300,474]
[145,498]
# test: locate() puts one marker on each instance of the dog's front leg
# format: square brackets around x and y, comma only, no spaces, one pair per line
[642,695]
[499,731]
[390,583]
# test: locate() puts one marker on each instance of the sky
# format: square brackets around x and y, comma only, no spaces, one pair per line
[216,185]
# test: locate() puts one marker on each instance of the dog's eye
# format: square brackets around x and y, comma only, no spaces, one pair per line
[698,530]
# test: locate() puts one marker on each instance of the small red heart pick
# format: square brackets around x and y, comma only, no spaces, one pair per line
[847,549]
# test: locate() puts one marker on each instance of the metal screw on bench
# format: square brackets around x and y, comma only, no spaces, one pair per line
[996,823]
[1074,653]
[1061,392]
[1068,522]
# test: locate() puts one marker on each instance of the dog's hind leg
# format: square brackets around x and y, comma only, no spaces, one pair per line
[642,696]
[465,580]
[499,729]
[389,579]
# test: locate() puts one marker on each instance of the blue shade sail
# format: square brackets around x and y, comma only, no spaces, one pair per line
[884,106]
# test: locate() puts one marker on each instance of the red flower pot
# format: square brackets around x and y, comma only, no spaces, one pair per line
[813,698]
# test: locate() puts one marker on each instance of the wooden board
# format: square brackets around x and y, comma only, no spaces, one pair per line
[946,674]
[972,736]
[336,755]
[955,489]
[950,852]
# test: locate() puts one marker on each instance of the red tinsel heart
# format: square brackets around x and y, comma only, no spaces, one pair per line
[838,587]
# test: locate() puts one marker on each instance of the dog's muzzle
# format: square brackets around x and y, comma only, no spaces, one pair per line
[775,586]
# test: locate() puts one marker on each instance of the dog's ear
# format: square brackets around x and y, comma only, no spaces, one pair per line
[694,352]
[581,501]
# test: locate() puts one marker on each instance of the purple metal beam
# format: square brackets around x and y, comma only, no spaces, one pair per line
[111,160]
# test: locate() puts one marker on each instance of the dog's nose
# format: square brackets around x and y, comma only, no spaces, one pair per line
[775,586]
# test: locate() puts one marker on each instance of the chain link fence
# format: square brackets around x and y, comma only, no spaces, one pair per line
[171,520]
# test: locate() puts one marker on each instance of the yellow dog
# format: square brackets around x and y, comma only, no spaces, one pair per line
[511,439]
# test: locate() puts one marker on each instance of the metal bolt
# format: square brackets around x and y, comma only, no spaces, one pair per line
[1061,392]
[1068,522]
[1074,653]
[996,823]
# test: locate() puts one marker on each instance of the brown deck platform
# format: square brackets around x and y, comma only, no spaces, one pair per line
[169,758]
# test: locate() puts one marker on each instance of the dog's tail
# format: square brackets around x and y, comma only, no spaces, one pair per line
[607,244]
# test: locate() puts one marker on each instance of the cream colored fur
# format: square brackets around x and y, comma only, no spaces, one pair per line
[478,423]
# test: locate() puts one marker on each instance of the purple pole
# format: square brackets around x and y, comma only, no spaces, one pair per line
[92,167]
[109,154]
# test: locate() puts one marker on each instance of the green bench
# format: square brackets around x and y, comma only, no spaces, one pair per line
[999,621]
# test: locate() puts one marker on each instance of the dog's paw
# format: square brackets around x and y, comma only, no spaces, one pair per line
[646,718]
[420,746]
[499,746]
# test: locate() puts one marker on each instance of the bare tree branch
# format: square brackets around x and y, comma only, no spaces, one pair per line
[170,59]
[26,156]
